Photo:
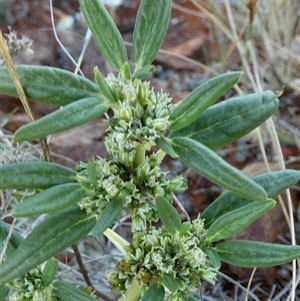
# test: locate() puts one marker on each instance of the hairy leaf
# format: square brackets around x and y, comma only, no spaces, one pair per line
[210,165]
[201,98]
[150,28]
[230,120]
[273,182]
[70,116]
[238,219]
[49,201]
[68,292]
[35,174]
[48,85]
[168,214]
[246,253]
[52,236]
[105,32]
[155,292]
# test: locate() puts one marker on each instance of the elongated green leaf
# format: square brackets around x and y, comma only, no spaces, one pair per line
[36,174]
[70,116]
[52,236]
[68,292]
[4,290]
[246,253]
[109,215]
[164,144]
[168,214]
[150,28]
[105,32]
[155,292]
[170,282]
[201,98]
[273,182]
[49,271]
[211,166]
[238,219]
[213,256]
[15,238]
[230,120]
[9,247]
[48,85]
[104,88]
[143,72]
[49,201]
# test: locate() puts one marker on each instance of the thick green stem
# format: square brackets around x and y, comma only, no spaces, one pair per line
[133,293]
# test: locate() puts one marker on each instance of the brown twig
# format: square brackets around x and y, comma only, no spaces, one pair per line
[13,73]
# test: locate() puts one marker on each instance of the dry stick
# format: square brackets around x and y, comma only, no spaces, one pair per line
[13,73]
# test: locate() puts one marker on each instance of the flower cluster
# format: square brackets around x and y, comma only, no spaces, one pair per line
[30,287]
[137,187]
[157,255]
[141,117]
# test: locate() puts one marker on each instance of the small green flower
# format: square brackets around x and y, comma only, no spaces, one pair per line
[155,253]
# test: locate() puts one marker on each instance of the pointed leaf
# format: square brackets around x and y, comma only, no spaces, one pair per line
[104,87]
[143,72]
[230,120]
[246,253]
[48,85]
[213,257]
[36,174]
[4,291]
[49,201]
[68,292]
[105,32]
[201,98]
[70,116]
[170,282]
[168,214]
[109,215]
[164,144]
[210,165]
[150,28]
[273,182]
[155,292]
[15,238]
[238,219]
[67,227]
[49,271]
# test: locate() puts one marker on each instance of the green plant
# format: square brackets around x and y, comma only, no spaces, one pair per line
[160,263]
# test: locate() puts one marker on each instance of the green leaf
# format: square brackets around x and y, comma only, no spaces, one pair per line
[52,236]
[273,182]
[210,165]
[49,201]
[201,98]
[155,292]
[105,32]
[150,28]
[15,238]
[143,72]
[168,214]
[109,215]
[48,85]
[213,257]
[238,219]
[9,247]
[4,291]
[49,271]
[246,253]
[170,282]
[69,116]
[164,144]
[36,174]
[184,228]
[69,292]
[230,120]
[92,171]
[104,87]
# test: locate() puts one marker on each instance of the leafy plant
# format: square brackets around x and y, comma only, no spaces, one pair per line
[159,263]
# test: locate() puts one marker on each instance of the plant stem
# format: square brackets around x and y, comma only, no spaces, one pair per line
[13,73]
